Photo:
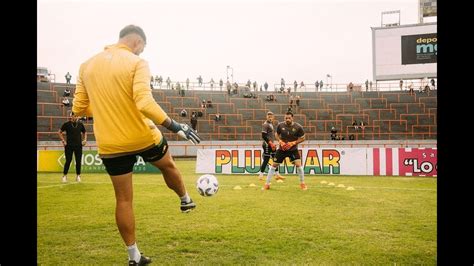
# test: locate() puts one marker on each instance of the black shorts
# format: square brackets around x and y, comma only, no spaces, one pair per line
[124,164]
[281,155]
[267,151]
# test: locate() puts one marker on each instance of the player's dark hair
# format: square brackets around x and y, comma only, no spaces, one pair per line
[132,29]
[289,113]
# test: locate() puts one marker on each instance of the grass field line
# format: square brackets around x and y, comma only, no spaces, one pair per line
[244,186]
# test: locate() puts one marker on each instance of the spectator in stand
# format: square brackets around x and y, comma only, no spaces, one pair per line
[295,85]
[316,85]
[265,86]
[282,82]
[269,98]
[67,92]
[401,84]
[247,93]
[151,82]
[366,85]
[66,102]
[180,90]
[427,88]
[229,87]
[355,125]
[370,84]
[291,99]
[212,84]
[187,83]
[160,81]
[199,80]
[410,88]
[254,86]
[236,88]
[333,133]
[209,104]
[297,100]
[350,86]
[203,104]
[168,83]
[218,117]
[433,84]
[248,84]
[184,113]
[301,85]
[68,78]
[361,124]
[221,83]
[194,121]
[321,84]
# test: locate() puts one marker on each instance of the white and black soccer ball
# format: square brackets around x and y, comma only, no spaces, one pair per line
[207,185]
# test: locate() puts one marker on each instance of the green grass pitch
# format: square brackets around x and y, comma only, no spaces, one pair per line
[385,220]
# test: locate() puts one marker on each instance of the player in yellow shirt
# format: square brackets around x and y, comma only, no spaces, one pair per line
[113,87]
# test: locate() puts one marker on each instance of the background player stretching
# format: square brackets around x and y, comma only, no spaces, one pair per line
[269,148]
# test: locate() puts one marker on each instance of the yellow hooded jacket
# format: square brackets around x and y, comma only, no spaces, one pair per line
[114,88]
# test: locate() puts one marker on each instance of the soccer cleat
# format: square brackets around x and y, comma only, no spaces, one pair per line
[78,178]
[279,177]
[187,207]
[64,179]
[303,186]
[143,261]
[266,187]
[260,176]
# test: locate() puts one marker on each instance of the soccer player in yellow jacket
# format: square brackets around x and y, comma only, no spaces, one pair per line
[113,87]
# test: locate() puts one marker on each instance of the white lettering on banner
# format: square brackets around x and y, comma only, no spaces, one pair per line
[91,159]
[140,161]
[88,159]
[425,167]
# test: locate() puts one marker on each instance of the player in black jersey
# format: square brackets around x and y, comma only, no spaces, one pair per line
[76,137]
[268,145]
[289,134]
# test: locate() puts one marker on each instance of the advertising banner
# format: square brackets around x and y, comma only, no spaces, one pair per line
[418,162]
[419,49]
[318,161]
[402,161]
[54,160]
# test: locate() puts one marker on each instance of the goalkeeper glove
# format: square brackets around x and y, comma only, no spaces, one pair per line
[185,132]
[272,146]
[290,144]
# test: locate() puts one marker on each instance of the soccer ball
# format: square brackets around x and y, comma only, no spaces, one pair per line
[207,185]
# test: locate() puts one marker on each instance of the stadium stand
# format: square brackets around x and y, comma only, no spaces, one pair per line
[388,115]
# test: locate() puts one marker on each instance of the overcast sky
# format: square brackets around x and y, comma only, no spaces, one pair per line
[262,40]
